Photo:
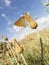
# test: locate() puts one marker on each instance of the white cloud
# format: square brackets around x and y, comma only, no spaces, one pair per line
[11,30]
[7,2]
[9,22]
[43,22]
[3,15]
[21,15]
[21,32]
[18,13]
[25,32]
[16,28]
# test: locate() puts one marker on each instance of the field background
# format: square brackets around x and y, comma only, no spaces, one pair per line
[32,49]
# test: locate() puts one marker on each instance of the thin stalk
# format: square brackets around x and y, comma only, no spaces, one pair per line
[23,58]
[41,51]
[41,47]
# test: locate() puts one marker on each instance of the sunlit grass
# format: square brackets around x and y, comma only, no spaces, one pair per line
[31,50]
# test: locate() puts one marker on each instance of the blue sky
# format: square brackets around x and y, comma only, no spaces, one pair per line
[11,10]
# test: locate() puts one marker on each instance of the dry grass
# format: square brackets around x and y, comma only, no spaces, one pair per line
[32,49]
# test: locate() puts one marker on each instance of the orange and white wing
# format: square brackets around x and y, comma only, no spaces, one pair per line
[21,22]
